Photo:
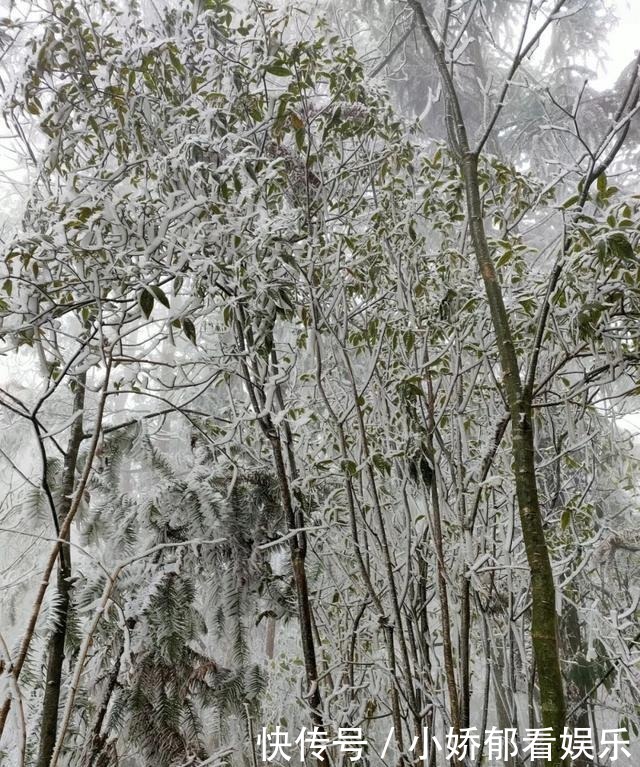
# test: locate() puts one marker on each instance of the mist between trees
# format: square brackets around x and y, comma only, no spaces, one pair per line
[319,347]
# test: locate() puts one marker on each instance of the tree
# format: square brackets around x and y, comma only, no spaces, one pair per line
[519,390]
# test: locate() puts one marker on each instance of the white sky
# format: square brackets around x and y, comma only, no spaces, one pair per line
[624,41]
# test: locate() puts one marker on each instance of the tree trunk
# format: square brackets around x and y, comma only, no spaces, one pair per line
[578,686]
[270,639]
[501,689]
[94,752]
[297,549]
[293,516]
[544,636]
[49,726]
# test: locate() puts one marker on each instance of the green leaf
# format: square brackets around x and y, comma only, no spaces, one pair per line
[620,247]
[146,302]
[84,213]
[410,390]
[278,70]
[381,463]
[189,329]
[565,519]
[173,56]
[589,318]
[570,202]
[601,183]
[409,338]
[251,172]
[504,258]
[160,295]
[350,468]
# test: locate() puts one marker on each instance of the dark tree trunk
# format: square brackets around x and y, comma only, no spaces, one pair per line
[94,754]
[578,685]
[55,649]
